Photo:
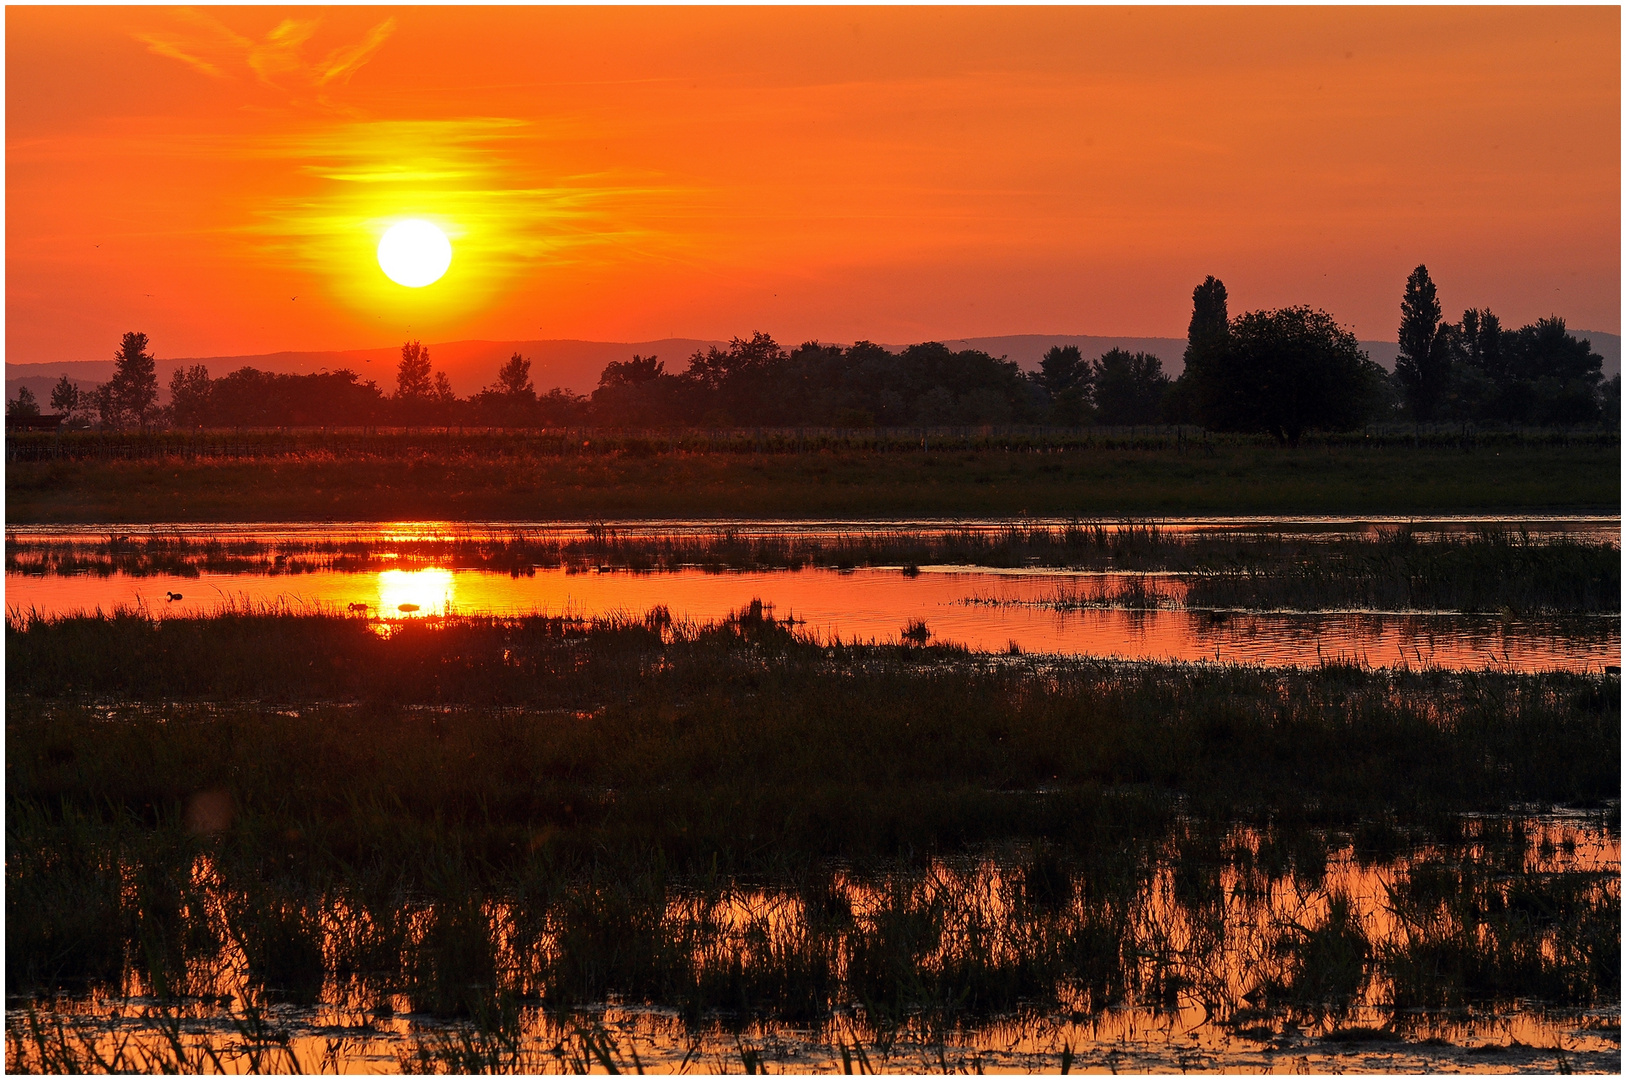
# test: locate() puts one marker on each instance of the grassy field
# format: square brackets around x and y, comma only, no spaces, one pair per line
[471,480]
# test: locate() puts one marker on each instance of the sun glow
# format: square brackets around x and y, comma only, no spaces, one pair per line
[414,253]
[414,592]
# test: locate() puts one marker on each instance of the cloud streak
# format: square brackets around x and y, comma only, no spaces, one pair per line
[484,180]
[277,60]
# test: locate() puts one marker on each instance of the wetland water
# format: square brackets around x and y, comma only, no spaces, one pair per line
[1238,951]
[422,569]
[359,859]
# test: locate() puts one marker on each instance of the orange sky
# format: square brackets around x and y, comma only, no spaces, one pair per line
[894,174]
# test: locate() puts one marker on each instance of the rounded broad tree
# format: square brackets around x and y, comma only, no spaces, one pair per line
[1287,372]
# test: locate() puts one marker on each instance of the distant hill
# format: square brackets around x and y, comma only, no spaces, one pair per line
[575,365]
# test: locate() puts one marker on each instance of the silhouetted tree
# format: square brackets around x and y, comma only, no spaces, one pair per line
[1564,375]
[132,393]
[1128,387]
[1193,398]
[24,404]
[1065,376]
[1423,368]
[1210,321]
[190,390]
[714,367]
[640,369]
[1286,372]
[251,398]
[511,400]
[514,379]
[1062,368]
[65,396]
[1480,333]
[1547,350]
[421,394]
[442,393]
[639,392]
[863,384]
[412,378]
[1539,373]
[559,407]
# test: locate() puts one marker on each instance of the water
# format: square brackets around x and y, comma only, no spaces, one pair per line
[1596,526]
[981,608]
[1200,946]
[1208,957]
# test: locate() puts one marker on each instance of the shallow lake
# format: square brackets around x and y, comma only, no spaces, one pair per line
[1033,610]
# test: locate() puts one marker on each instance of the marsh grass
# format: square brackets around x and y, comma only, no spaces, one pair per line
[162,1038]
[505,820]
[749,733]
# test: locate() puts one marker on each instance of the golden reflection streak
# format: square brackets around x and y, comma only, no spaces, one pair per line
[415,593]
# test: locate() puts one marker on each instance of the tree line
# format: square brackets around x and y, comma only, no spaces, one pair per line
[1283,372]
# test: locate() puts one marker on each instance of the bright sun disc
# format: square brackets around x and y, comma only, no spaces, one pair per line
[415,592]
[414,253]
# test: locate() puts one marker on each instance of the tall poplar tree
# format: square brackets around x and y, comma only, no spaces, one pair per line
[1424,364]
[1204,393]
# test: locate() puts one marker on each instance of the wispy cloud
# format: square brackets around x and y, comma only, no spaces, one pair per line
[207,45]
[486,180]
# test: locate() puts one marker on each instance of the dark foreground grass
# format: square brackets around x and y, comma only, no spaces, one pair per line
[740,743]
[474,480]
[495,816]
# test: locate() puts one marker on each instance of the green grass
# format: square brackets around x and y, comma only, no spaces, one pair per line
[475,479]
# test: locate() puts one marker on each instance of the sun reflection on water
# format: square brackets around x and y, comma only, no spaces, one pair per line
[415,592]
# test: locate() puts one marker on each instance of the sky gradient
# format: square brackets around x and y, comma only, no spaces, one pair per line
[219,178]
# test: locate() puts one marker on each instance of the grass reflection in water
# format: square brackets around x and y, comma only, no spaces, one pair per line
[1277,939]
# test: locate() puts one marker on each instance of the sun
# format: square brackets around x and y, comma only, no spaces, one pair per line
[414,253]
[415,592]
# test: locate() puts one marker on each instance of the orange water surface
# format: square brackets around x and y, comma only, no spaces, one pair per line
[979,608]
